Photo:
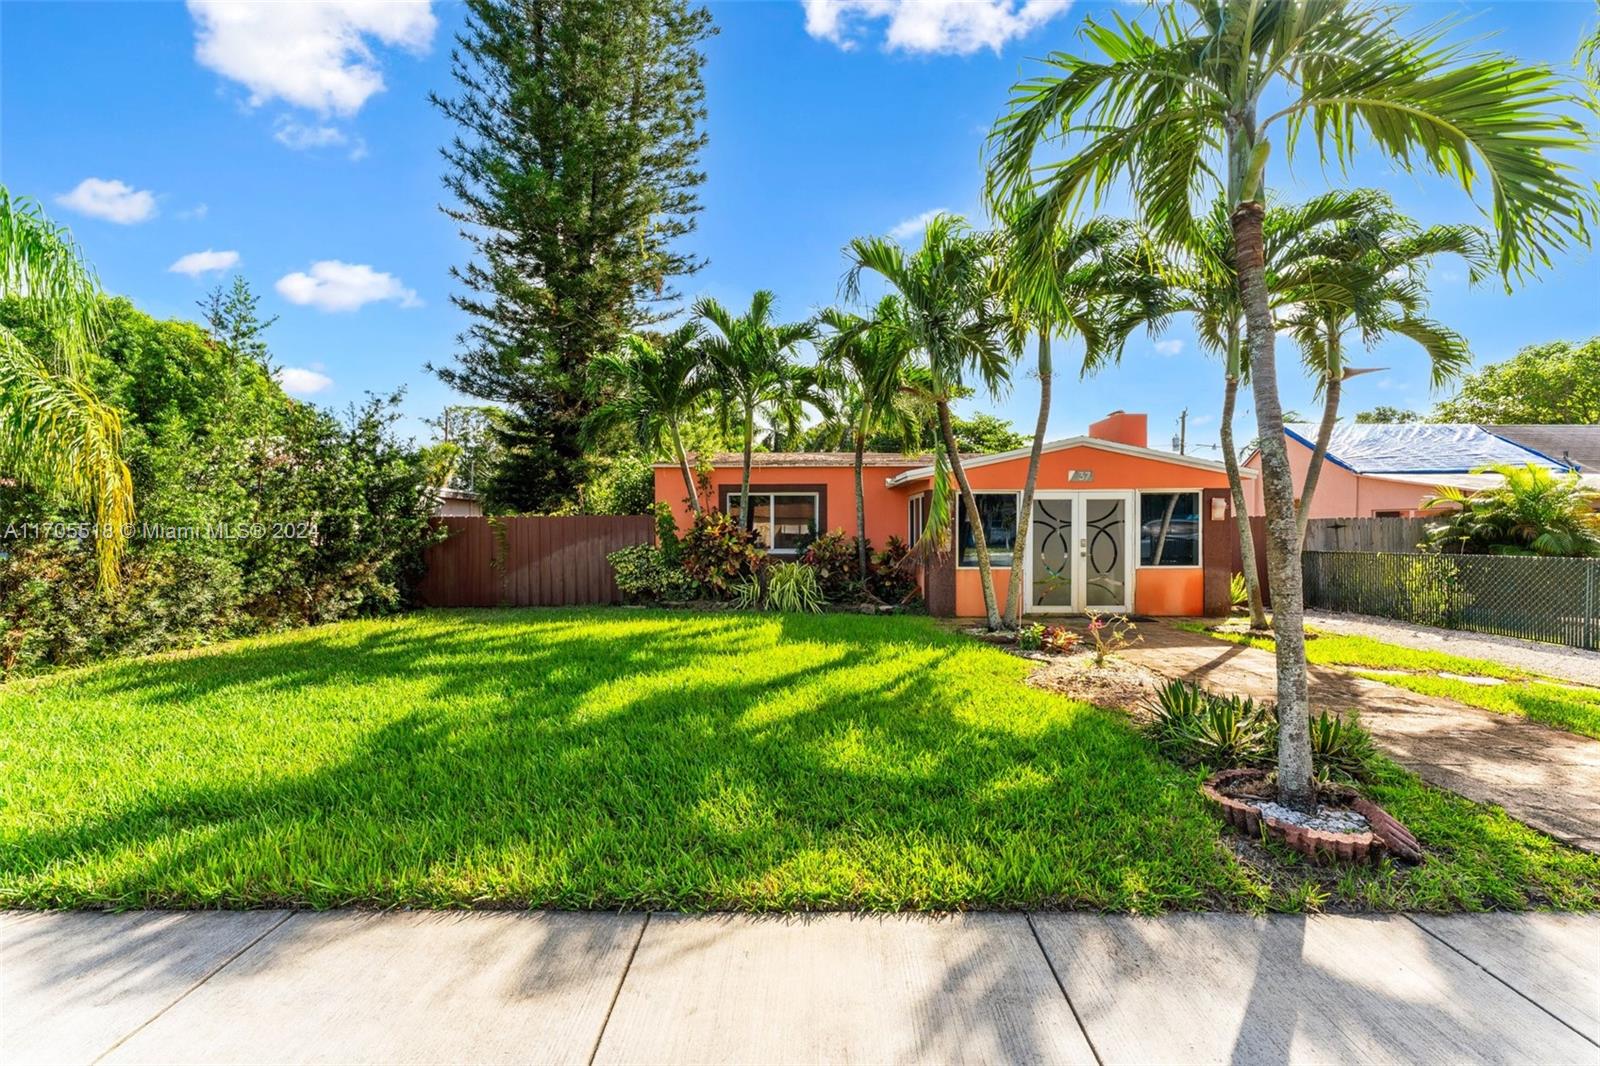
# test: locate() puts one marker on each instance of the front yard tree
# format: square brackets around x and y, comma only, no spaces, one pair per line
[1369,277]
[953,317]
[55,433]
[867,358]
[752,358]
[651,387]
[1177,113]
[574,171]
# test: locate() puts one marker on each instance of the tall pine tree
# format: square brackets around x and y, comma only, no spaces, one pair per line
[574,173]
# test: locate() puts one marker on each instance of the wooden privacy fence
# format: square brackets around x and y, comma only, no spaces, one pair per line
[542,561]
[1365,534]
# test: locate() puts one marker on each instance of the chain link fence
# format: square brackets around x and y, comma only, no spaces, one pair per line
[1547,599]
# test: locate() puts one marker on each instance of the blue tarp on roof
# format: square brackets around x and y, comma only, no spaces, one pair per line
[1418,448]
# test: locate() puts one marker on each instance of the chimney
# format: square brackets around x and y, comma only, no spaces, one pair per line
[1123,428]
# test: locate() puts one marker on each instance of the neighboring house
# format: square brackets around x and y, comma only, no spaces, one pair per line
[1388,471]
[458,503]
[1117,526]
[1574,446]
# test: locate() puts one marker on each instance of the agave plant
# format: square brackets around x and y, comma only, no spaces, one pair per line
[1532,512]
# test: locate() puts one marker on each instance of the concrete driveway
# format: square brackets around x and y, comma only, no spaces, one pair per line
[541,987]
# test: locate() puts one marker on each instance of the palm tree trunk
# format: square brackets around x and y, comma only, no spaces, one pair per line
[747,514]
[688,475]
[1015,593]
[1241,513]
[861,505]
[980,538]
[1330,414]
[1277,480]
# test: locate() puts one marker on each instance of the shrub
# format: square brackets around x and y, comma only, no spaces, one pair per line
[889,574]
[644,574]
[1238,593]
[719,554]
[832,557]
[1195,727]
[1110,633]
[793,587]
[1058,638]
[1030,637]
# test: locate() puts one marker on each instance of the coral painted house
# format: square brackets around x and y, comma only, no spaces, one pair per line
[1117,525]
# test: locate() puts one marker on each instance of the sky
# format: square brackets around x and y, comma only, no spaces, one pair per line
[295,144]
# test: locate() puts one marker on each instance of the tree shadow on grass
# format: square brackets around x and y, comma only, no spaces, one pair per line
[598,759]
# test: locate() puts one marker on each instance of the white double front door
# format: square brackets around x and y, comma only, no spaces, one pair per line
[1081,552]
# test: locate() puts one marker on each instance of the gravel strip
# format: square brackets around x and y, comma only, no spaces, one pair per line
[1554,660]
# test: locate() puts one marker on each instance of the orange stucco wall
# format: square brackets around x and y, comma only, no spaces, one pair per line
[1341,493]
[1156,590]
[886,507]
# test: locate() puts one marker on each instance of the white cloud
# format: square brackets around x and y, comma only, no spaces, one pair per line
[930,26]
[299,136]
[914,226]
[195,213]
[332,285]
[298,381]
[196,263]
[313,54]
[1168,347]
[114,201]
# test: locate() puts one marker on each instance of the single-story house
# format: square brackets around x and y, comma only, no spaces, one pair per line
[458,503]
[1388,471]
[1116,525]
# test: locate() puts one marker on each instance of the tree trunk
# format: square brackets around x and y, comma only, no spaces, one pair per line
[1330,414]
[861,506]
[980,538]
[1241,513]
[688,475]
[1277,482]
[747,514]
[1016,595]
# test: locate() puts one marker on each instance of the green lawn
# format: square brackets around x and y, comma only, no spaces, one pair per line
[1573,708]
[605,758]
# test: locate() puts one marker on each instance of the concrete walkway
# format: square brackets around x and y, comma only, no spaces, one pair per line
[1545,777]
[561,987]
[1568,664]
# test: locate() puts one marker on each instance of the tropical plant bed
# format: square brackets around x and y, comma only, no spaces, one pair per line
[1344,826]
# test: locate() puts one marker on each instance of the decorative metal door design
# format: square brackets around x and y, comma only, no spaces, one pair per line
[1052,549]
[1105,554]
[1079,552]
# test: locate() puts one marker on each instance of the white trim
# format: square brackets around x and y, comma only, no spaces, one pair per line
[1016,495]
[1200,528]
[816,511]
[1075,442]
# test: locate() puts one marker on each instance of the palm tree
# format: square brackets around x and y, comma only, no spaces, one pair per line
[652,386]
[1532,512]
[866,361]
[953,318]
[1178,112]
[1092,281]
[752,357]
[1369,275]
[54,432]
[1203,284]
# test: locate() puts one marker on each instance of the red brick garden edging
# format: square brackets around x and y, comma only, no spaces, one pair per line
[1386,835]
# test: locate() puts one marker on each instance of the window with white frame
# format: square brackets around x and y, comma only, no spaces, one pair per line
[1169,529]
[998,521]
[916,519]
[785,522]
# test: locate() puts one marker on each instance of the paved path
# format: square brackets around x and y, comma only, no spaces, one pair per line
[1571,664]
[1545,777]
[988,987]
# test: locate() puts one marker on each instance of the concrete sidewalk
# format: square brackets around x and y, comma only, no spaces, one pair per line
[561,987]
